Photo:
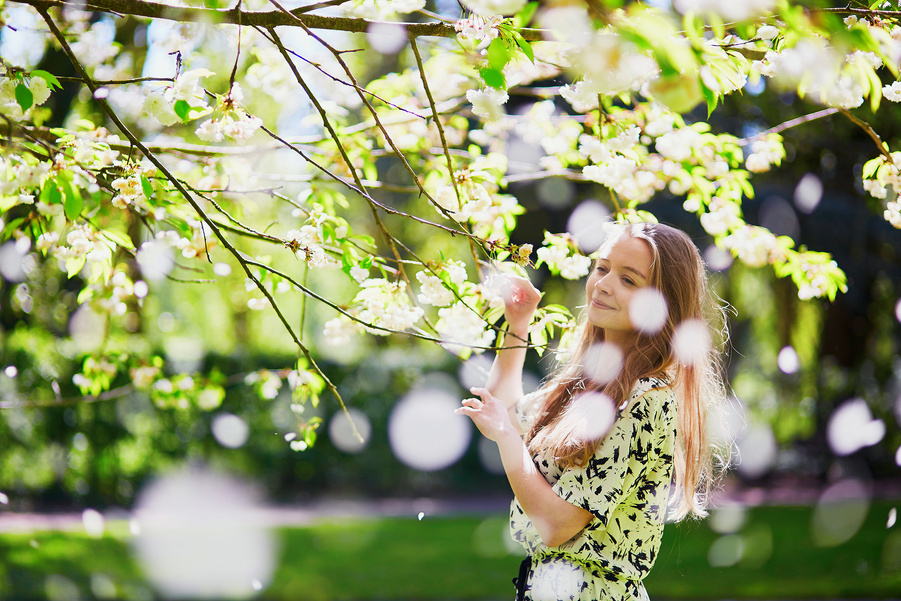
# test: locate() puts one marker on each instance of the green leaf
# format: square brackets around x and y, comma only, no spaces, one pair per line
[73,266]
[524,16]
[73,204]
[498,54]
[493,78]
[182,108]
[50,78]
[24,97]
[524,46]
[118,238]
[146,186]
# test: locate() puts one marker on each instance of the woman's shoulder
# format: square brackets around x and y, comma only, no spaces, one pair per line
[647,384]
[650,395]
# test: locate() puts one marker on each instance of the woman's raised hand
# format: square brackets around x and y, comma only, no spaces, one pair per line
[521,299]
[489,414]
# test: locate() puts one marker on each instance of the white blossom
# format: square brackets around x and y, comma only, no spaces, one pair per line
[156,105]
[461,327]
[340,330]
[487,102]
[767,32]
[892,92]
[678,144]
[893,213]
[478,30]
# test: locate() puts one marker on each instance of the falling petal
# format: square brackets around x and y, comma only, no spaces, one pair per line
[892,517]
[421,515]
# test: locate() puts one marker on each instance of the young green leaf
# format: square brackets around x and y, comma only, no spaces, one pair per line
[524,46]
[50,78]
[182,108]
[24,97]
[493,78]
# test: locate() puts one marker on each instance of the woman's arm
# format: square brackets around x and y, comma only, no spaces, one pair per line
[505,379]
[555,519]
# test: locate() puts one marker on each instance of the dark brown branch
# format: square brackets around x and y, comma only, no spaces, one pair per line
[235,16]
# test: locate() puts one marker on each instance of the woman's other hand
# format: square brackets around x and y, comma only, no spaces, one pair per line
[521,299]
[489,414]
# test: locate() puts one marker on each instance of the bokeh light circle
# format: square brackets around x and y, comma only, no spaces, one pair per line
[840,512]
[757,450]
[230,431]
[788,360]
[587,224]
[852,427]
[691,341]
[201,535]
[602,362]
[648,310]
[387,38]
[425,433]
[341,432]
[594,413]
[808,193]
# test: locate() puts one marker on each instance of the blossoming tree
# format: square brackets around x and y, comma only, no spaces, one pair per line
[362,155]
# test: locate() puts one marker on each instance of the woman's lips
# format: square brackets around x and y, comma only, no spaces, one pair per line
[600,305]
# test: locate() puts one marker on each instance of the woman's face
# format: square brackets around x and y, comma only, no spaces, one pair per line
[623,267]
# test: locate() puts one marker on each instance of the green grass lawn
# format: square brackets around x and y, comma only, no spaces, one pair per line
[773,556]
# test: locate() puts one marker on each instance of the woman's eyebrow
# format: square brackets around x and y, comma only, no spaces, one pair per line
[635,271]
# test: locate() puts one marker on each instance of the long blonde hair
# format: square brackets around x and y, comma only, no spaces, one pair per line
[679,274]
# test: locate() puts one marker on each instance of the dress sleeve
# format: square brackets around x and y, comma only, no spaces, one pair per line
[621,461]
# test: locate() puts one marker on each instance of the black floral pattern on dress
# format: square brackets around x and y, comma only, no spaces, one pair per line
[624,485]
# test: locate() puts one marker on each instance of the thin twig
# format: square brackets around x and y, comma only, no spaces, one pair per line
[190,199]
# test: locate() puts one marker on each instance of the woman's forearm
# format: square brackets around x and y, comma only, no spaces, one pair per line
[555,519]
[505,378]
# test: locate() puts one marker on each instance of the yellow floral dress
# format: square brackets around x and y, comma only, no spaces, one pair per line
[625,485]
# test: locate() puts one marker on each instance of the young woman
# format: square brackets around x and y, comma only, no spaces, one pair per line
[616,440]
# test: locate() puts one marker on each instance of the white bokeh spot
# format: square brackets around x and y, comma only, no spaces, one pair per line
[691,341]
[587,224]
[341,432]
[200,534]
[603,362]
[852,427]
[425,433]
[648,310]
[788,360]
[230,431]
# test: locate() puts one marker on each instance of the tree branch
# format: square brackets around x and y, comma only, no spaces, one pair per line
[235,16]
